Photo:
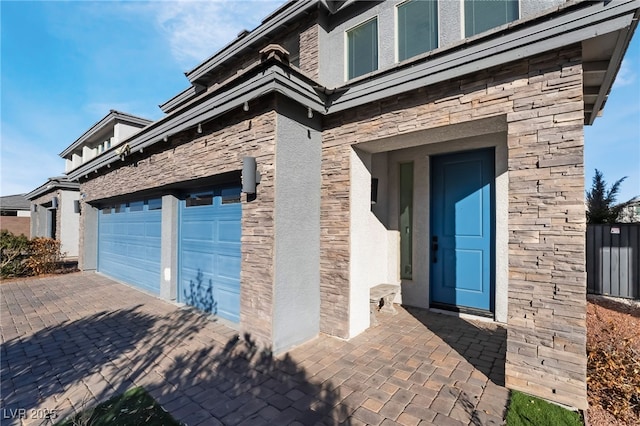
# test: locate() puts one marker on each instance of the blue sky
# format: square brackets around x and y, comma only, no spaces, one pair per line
[66,64]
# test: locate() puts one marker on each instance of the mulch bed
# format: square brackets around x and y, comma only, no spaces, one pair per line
[613,369]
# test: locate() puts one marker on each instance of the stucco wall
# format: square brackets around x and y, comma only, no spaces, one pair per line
[540,99]
[69,220]
[296,304]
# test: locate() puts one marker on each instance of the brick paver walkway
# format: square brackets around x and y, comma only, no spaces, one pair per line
[70,341]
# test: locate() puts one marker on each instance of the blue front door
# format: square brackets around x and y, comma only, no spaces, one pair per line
[462,230]
[210,231]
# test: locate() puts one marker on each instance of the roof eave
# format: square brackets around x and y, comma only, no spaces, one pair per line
[270,77]
[111,117]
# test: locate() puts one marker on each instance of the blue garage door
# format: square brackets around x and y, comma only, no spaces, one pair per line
[210,231]
[129,243]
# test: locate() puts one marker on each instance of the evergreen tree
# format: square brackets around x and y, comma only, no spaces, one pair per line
[601,203]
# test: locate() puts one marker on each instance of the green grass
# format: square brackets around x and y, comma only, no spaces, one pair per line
[525,410]
[132,408]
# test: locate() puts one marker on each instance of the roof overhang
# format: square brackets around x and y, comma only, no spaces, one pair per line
[52,184]
[270,76]
[110,119]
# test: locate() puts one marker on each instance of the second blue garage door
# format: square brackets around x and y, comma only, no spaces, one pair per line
[210,231]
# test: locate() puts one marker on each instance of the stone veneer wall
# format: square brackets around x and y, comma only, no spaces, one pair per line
[309,49]
[217,150]
[541,100]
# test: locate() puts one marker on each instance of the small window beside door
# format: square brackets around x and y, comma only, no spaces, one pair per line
[362,49]
[406,221]
[417,27]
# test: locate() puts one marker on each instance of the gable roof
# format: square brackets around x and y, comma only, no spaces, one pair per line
[107,120]
[14,202]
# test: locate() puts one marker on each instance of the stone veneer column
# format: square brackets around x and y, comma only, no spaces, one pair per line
[334,241]
[546,337]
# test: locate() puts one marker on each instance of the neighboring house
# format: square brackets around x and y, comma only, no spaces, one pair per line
[467,133]
[15,214]
[631,211]
[55,204]
[54,213]
[104,135]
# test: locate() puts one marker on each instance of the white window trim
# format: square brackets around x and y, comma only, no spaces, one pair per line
[346,45]
[396,42]
[463,23]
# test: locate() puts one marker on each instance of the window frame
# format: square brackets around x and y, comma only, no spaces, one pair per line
[463,23]
[346,47]
[397,30]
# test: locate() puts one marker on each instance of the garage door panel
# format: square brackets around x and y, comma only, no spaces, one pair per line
[129,245]
[210,234]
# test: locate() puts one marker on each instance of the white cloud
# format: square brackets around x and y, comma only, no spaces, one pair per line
[196,30]
[626,75]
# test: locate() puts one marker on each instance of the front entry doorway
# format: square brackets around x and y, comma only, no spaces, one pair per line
[462,231]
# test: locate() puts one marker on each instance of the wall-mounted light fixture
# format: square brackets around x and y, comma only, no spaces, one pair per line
[245,106]
[250,175]
[199,129]
[309,112]
[166,138]
[54,203]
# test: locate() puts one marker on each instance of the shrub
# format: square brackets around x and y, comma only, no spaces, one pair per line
[14,251]
[614,375]
[44,255]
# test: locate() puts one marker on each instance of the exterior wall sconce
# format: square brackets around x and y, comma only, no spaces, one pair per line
[166,138]
[245,106]
[54,203]
[250,175]
[199,129]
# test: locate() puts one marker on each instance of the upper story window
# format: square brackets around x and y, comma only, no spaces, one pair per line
[417,28]
[482,15]
[362,49]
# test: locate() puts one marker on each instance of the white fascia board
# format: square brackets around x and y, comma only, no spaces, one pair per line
[236,46]
[272,79]
[565,30]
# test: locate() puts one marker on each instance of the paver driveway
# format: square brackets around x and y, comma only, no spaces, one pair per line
[70,341]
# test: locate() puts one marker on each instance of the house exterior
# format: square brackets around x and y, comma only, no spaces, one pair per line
[630,213]
[56,203]
[54,213]
[15,214]
[437,145]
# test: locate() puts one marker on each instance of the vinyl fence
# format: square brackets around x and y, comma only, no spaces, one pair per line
[613,260]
